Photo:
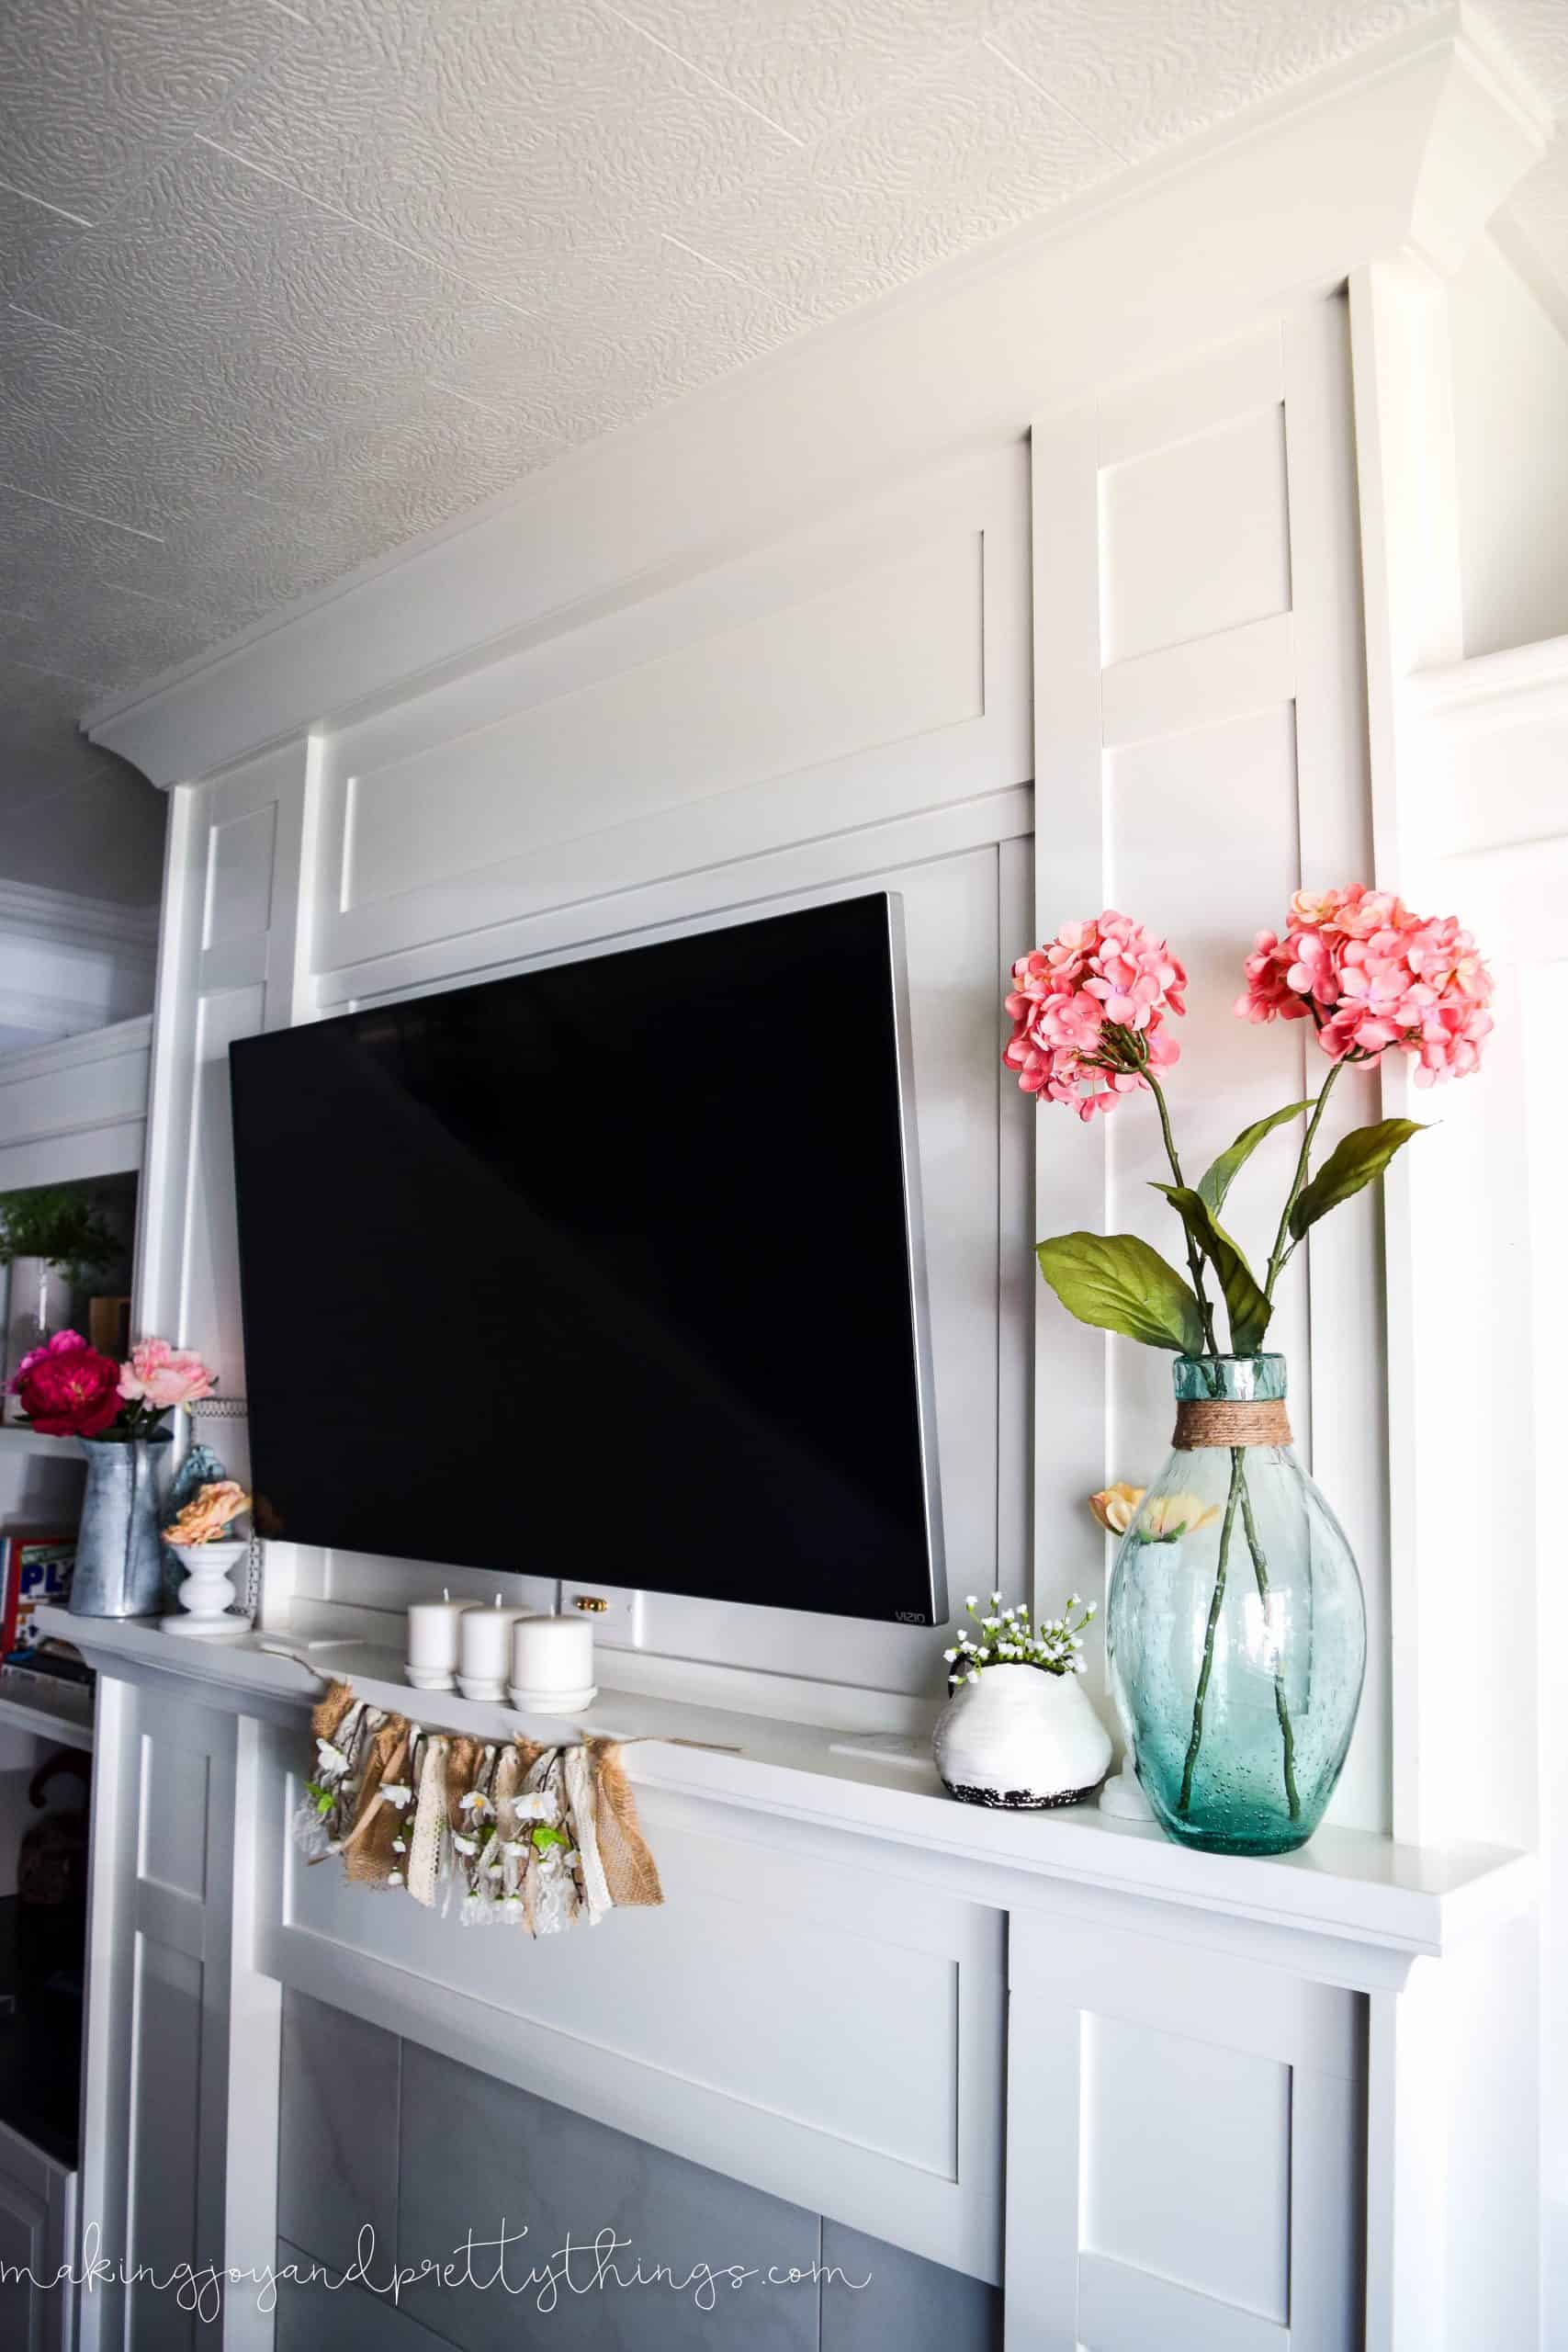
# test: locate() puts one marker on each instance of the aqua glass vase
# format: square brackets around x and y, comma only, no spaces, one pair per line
[1236,1631]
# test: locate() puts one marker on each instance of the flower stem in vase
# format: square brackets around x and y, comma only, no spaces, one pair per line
[1215,1605]
[1282,1705]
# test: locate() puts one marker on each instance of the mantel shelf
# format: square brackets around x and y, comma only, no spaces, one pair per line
[1348,1884]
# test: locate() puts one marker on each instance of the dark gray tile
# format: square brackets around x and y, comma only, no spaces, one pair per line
[477,2154]
[918,2305]
[313,2316]
[337,2154]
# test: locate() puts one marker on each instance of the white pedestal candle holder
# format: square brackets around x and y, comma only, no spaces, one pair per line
[484,1647]
[1123,1798]
[552,1666]
[433,1641]
[208,1593]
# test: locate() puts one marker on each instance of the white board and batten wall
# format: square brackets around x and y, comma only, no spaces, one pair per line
[850,708]
[1105,647]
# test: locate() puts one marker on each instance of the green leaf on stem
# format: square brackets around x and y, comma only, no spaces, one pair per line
[1249,1309]
[1353,1163]
[1216,1181]
[1117,1282]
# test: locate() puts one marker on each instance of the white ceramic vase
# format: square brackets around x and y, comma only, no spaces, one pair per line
[208,1593]
[1021,1739]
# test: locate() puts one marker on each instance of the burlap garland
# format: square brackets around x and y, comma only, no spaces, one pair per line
[628,1866]
[390,1802]
[370,1853]
[1230,1421]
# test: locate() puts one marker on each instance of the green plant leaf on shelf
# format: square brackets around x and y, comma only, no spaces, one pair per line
[60,1223]
[1249,1310]
[1356,1159]
[1117,1282]
[1216,1181]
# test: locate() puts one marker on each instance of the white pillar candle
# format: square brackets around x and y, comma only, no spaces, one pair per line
[433,1641]
[552,1663]
[483,1651]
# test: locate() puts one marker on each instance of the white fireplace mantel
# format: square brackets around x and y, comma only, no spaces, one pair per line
[967,2033]
[1394,1903]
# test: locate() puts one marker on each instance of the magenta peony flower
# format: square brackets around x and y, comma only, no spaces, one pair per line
[161,1377]
[67,1388]
[1089,1012]
[1370,975]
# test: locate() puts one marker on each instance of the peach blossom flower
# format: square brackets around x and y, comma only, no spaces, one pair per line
[163,1376]
[1370,975]
[1116,1507]
[209,1510]
[1172,1515]
[1167,1517]
[1088,1012]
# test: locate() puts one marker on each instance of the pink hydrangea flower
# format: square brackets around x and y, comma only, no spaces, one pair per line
[161,1377]
[1370,975]
[1088,1012]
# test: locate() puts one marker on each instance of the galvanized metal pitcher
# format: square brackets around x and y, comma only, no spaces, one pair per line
[119,1555]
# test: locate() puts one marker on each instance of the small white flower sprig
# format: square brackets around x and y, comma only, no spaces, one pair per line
[1009,1638]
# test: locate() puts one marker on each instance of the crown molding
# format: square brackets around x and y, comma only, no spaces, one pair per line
[1401,152]
[1490,129]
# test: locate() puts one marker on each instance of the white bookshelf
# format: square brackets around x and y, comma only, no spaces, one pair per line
[54,1722]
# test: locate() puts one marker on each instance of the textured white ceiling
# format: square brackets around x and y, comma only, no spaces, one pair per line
[286,284]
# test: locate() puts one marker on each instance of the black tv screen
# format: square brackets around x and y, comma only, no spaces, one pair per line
[606,1270]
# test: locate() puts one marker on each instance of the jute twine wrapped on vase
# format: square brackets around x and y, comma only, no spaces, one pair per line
[519,1833]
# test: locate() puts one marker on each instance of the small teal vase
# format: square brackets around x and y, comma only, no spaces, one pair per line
[1236,1631]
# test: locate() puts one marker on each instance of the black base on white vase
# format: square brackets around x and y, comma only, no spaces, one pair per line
[1017,1800]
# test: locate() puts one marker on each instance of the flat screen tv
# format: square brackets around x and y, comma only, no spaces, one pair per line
[612,1270]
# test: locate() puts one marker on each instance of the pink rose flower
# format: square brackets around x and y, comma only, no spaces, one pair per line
[1088,1012]
[161,1377]
[67,1388]
[1370,975]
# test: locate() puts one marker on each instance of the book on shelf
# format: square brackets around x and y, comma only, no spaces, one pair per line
[35,1566]
[49,1663]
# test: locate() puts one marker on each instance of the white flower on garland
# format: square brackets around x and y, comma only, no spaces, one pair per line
[477,1806]
[331,1762]
[397,1792]
[464,1845]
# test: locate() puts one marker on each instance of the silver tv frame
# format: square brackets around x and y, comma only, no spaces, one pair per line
[914,1244]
